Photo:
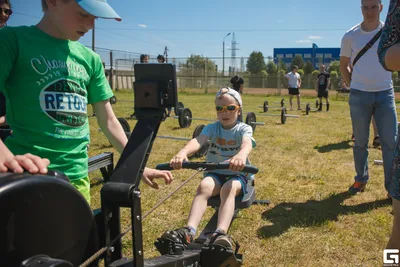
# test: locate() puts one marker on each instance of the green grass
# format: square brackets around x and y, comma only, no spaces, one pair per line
[306,167]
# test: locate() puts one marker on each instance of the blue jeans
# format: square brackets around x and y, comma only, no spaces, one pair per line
[362,106]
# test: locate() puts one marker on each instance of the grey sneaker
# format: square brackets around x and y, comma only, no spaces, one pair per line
[223,240]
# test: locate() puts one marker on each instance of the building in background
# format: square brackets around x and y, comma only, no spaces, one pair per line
[315,55]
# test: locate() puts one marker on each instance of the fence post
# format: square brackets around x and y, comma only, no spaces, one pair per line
[279,84]
[205,77]
[111,70]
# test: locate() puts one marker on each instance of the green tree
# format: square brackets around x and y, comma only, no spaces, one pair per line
[281,65]
[255,63]
[314,74]
[200,64]
[271,67]
[298,60]
[281,73]
[334,66]
[395,78]
[334,79]
[301,72]
[308,68]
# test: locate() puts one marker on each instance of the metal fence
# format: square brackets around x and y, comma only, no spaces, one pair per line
[201,73]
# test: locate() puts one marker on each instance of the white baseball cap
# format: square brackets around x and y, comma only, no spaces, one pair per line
[99,8]
[231,92]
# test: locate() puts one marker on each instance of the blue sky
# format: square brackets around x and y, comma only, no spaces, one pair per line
[198,27]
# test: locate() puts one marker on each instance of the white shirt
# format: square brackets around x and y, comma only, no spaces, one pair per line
[368,74]
[293,79]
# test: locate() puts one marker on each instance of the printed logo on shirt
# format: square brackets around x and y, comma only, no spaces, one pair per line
[223,142]
[65,102]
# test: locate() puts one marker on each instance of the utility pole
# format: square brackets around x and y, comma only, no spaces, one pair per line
[223,54]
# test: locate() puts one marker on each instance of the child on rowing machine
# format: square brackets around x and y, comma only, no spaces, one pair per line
[231,141]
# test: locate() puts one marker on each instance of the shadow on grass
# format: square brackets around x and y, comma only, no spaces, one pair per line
[311,213]
[330,147]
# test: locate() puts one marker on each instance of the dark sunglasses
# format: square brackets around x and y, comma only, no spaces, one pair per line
[6,11]
[230,108]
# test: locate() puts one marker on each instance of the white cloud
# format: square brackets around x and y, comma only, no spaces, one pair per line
[313,37]
[142,25]
[303,41]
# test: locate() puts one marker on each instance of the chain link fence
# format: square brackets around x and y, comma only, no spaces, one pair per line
[202,74]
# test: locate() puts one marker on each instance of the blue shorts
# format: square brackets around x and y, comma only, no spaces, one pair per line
[223,178]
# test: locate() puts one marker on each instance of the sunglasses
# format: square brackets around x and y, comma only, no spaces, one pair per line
[229,108]
[6,11]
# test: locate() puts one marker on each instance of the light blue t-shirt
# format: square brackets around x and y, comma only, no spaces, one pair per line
[226,143]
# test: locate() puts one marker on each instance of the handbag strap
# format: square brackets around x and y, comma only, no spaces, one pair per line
[367,46]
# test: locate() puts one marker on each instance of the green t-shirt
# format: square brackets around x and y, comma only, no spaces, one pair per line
[48,83]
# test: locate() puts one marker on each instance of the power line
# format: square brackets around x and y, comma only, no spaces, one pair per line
[26,15]
[226,30]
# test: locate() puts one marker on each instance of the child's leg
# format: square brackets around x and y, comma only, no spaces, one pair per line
[228,193]
[290,101]
[208,187]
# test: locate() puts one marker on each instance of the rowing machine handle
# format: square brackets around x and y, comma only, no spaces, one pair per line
[206,165]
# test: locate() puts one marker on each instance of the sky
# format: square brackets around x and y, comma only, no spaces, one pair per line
[199,26]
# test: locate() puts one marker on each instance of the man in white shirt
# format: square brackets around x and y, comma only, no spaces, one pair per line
[294,81]
[371,93]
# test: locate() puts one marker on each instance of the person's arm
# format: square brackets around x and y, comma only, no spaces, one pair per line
[287,76]
[114,132]
[109,124]
[329,83]
[299,81]
[8,161]
[193,146]
[237,162]
[345,56]
[344,69]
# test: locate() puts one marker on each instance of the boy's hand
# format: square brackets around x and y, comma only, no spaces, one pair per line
[28,162]
[150,174]
[176,162]
[237,163]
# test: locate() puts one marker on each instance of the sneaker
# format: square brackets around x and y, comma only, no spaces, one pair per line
[181,235]
[376,142]
[357,187]
[222,239]
[299,109]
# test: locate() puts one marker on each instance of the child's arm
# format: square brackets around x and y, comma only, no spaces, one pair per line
[238,161]
[109,124]
[117,137]
[194,145]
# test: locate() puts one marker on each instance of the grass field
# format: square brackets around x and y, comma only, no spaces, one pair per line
[306,167]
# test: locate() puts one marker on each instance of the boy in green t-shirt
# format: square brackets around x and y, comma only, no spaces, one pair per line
[48,79]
